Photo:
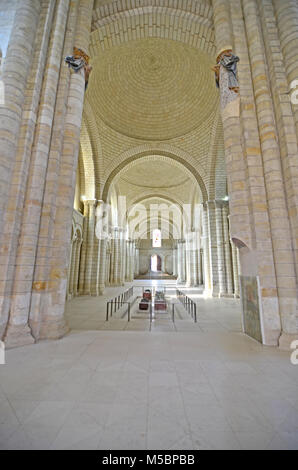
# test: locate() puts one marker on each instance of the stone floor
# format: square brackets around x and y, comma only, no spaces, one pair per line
[204,386]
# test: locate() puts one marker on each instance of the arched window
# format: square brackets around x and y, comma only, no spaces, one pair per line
[156,238]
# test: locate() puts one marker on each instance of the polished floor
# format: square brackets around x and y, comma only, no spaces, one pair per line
[203,386]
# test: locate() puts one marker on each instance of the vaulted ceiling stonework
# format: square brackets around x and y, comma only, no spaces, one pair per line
[152,89]
[151,93]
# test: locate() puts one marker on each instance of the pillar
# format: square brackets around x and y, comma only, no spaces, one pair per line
[52,320]
[89,261]
[227,250]
[102,266]
[127,263]
[29,260]
[116,260]
[181,261]
[132,261]
[84,251]
[206,258]
[246,173]
[72,265]
[136,273]
[213,251]
[69,267]
[20,47]
[16,69]
[235,261]
[175,261]
[279,148]
[77,265]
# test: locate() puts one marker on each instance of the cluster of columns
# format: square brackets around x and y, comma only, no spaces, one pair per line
[74,264]
[39,149]
[187,265]
[208,256]
[93,257]
[261,149]
[221,261]
[105,260]
[132,261]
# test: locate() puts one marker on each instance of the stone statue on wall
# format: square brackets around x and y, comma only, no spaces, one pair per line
[227,81]
[79,60]
[229,61]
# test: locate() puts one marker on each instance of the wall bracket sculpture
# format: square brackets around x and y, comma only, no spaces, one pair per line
[79,60]
[227,81]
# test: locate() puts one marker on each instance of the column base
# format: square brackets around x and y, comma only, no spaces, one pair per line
[227,296]
[53,329]
[286,340]
[18,335]
[207,293]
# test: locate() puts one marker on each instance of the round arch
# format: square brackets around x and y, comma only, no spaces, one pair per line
[157,152]
[131,21]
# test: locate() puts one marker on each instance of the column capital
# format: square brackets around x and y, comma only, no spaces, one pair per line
[89,202]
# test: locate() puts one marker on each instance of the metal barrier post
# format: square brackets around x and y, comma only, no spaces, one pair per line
[128,312]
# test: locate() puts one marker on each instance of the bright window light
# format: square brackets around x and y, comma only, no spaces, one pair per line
[156,238]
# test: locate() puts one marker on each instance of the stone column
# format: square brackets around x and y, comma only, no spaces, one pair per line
[174,261]
[72,265]
[227,249]
[220,250]
[183,261]
[188,260]
[96,257]
[127,263]
[235,270]
[69,267]
[206,258]
[84,251]
[16,68]
[200,266]
[180,261]
[191,259]
[250,224]
[116,268]
[136,273]
[195,258]
[102,266]
[213,252]
[286,12]
[132,261]
[230,113]
[123,255]
[77,266]
[120,259]
[52,312]
[91,204]
[22,297]
[10,230]
[280,162]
